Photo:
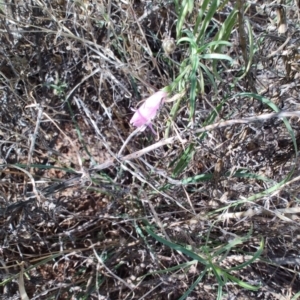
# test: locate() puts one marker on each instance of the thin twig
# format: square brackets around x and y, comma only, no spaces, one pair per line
[130,286]
[171,140]
[31,179]
[70,141]
[137,130]
[35,133]
[280,48]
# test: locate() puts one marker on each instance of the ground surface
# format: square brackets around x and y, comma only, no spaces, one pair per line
[223,203]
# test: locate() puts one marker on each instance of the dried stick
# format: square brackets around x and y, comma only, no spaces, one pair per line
[34,136]
[170,140]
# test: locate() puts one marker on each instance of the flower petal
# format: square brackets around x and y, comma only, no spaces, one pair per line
[148,110]
[138,119]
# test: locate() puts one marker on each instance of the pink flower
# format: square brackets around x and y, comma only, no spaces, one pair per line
[148,110]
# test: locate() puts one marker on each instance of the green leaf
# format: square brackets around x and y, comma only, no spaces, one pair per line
[192,287]
[173,246]
[204,24]
[242,283]
[199,19]
[251,51]
[185,8]
[190,6]
[193,92]
[225,31]
[296,296]
[184,160]
[250,261]
[217,56]
[196,179]
[211,44]
[209,75]
[276,109]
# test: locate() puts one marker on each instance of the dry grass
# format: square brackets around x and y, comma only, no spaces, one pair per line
[213,210]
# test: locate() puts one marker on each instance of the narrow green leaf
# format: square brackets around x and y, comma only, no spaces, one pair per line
[211,44]
[181,18]
[251,51]
[217,56]
[190,6]
[192,287]
[189,40]
[242,283]
[196,179]
[184,160]
[276,109]
[296,296]
[250,261]
[225,31]
[175,247]
[210,13]
[193,92]
[173,114]
[171,269]
[199,19]
[209,75]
